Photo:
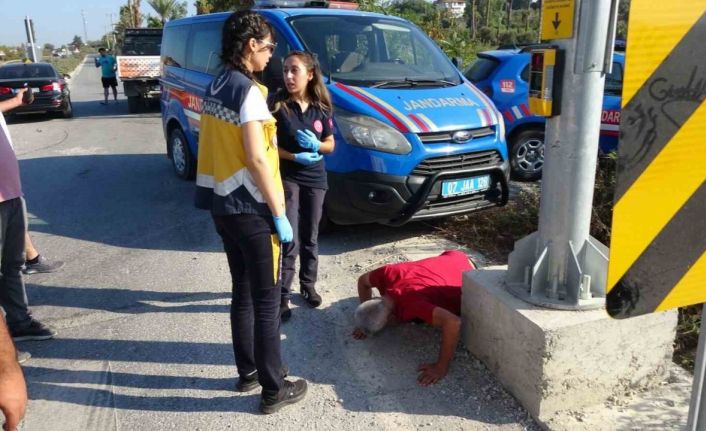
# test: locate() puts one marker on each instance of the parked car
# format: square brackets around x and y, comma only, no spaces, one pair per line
[51,93]
[503,75]
[414,138]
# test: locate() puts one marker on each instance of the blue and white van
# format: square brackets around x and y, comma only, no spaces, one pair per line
[414,138]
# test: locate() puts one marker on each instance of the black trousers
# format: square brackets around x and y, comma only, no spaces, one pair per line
[253,251]
[304,209]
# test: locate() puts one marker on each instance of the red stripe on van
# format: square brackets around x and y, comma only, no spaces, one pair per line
[419,122]
[400,126]
[525,110]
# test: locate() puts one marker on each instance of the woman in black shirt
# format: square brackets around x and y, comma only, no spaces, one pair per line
[304,132]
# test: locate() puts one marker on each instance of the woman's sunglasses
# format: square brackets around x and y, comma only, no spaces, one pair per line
[268,45]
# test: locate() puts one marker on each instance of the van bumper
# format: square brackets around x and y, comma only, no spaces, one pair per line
[371,197]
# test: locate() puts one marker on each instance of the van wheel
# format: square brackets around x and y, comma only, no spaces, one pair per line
[527,155]
[182,160]
[133,104]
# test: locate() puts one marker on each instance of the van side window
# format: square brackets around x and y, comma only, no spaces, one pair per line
[272,75]
[204,48]
[524,75]
[174,46]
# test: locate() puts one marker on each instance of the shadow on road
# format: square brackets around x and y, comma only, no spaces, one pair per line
[136,201]
[127,301]
[93,108]
[128,200]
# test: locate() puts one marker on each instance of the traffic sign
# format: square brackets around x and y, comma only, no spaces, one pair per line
[557,19]
[658,244]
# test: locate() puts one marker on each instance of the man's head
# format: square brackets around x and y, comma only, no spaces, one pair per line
[372,315]
[101,51]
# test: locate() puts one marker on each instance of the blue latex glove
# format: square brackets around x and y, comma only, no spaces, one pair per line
[284,229]
[307,159]
[308,140]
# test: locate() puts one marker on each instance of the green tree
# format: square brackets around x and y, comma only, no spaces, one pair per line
[202,7]
[77,42]
[210,6]
[49,47]
[166,10]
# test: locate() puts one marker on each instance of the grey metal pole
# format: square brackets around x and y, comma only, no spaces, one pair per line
[30,39]
[85,33]
[560,265]
[697,408]
[571,142]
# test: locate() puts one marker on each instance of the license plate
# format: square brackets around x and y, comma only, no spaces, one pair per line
[36,90]
[465,186]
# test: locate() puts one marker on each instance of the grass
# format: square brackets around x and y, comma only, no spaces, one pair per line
[494,232]
[67,64]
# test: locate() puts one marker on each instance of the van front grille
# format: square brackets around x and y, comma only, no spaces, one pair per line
[458,162]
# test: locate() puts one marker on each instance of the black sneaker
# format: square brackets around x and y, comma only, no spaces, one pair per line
[312,298]
[291,393]
[248,383]
[35,331]
[41,264]
[285,313]
[23,357]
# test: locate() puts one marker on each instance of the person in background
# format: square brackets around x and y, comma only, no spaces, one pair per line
[427,290]
[238,180]
[108,67]
[13,224]
[304,115]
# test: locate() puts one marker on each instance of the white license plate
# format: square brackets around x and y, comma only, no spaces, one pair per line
[465,186]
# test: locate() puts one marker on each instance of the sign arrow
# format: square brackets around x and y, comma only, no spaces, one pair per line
[556,21]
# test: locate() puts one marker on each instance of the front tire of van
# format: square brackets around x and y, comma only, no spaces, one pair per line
[527,154]
[182,160]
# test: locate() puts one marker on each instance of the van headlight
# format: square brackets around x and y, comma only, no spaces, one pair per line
[367,132]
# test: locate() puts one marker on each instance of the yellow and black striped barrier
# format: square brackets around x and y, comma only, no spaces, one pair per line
[658,244]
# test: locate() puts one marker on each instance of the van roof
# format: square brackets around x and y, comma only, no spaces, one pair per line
[280,13]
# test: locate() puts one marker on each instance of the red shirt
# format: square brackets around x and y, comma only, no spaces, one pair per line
[416,288]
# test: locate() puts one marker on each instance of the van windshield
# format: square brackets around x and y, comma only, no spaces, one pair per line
[369,51]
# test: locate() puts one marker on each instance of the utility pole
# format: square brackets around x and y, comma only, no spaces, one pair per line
[85,33]
[561,266]
[29,27]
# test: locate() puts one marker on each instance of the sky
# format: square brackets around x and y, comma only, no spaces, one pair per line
[58,21]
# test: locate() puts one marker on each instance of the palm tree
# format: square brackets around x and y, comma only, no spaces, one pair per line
[164,8]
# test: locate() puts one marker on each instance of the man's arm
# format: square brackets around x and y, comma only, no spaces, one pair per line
[13,391]
[450,325]
[13,103]
[365,288]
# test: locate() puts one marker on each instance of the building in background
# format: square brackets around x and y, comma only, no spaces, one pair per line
[455,7]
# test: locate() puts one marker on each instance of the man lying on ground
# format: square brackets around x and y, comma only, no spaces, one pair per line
[427,290]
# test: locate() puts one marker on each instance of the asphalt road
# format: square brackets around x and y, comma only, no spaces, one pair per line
[142,303]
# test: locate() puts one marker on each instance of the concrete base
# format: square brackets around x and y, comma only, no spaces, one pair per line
[554,361]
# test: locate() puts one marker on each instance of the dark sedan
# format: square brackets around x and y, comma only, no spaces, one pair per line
[51,94]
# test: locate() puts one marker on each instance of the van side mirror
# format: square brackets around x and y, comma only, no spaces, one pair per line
[457,61]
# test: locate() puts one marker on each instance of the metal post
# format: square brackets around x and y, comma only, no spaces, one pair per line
[85,34]
[30,39]
[561,253]
[697,408]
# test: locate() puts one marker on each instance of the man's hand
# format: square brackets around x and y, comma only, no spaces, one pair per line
[13,397]
[13,391]
[429,374]
[359,334]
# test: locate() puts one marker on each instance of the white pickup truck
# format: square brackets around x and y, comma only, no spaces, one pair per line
[139,65]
